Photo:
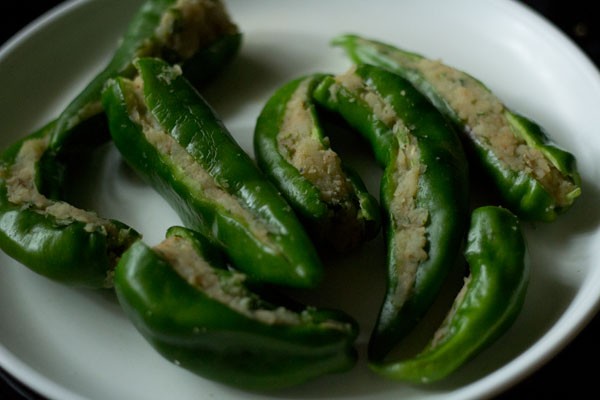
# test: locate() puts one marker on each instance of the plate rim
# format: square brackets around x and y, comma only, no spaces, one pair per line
[558,336]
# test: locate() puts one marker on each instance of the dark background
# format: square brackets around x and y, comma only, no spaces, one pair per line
[573,372]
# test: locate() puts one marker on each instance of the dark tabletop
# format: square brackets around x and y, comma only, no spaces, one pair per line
[573,372]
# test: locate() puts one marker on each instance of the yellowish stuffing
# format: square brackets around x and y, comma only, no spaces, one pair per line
[319,165]
[181,255]
[407,218]
[21,190]
[409,221]
[193,24]
[442,331]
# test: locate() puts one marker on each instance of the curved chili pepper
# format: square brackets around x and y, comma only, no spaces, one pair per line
[424,189]
[536,179]
[52,237]
[487,305]
[197,34]
[167,132]
[292,150]
[202,316]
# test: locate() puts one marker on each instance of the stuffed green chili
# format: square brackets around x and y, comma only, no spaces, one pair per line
[216,327]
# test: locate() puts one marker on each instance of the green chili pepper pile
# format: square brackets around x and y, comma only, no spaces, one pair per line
[536,179]
[166,131]
[423,189]
[291,147]
[208,297]
[38,226]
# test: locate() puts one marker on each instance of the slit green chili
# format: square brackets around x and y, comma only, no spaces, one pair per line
[218,328]
[292,149]
[424,189]
[167,132]
[537,179]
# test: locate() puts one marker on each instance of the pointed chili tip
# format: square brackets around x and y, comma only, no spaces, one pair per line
[344,39]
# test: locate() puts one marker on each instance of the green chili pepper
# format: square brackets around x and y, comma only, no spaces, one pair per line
[197,34]
[484,309]
[536,179]
[203,317]
[52,237]
[424,189]
[167,132]
[291,148]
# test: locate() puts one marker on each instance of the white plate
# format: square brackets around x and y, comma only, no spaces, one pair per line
[70,344]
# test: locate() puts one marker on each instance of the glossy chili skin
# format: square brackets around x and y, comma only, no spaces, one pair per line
[523,193]
[236,339]
[332,200]
[61,248]
[141,39]
[442,191]
[487,305]
[266,241]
